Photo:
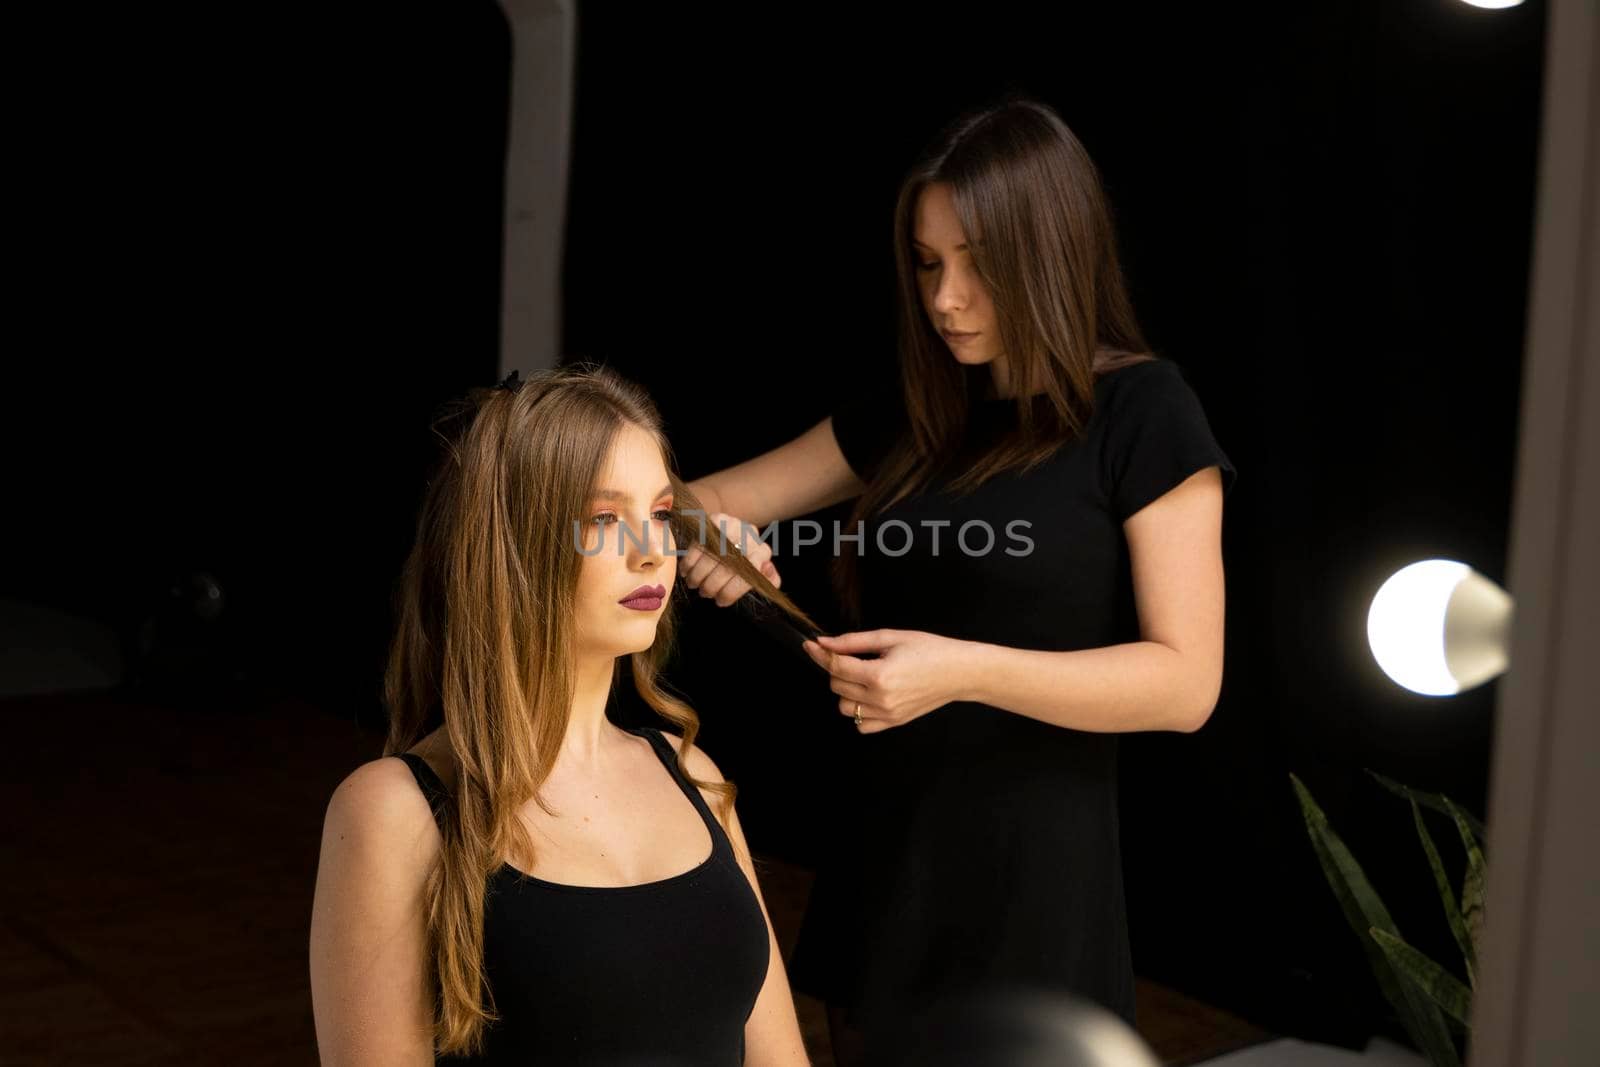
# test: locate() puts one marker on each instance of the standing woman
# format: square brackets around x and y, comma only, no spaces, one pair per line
[1040,570]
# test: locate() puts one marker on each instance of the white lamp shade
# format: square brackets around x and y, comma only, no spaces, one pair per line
[1438,627]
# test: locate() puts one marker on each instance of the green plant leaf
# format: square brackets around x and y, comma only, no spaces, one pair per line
[1434,801]
[1458,925]
[1472,881]
[1364,909]
[1440,986]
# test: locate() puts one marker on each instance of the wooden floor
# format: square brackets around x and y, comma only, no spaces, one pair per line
[158,868]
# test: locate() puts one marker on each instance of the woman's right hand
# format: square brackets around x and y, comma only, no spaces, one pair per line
[703,571]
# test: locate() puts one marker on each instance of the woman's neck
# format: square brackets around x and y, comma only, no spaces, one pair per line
[590,735]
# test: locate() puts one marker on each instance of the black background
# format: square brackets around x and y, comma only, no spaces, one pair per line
[254,255]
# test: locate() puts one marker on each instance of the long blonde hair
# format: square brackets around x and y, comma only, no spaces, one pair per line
[485,611]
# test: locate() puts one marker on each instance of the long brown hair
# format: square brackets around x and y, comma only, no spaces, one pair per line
[1031,202]
[485,612]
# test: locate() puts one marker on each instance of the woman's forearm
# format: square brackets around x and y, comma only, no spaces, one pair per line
[710,499]
[1142,685]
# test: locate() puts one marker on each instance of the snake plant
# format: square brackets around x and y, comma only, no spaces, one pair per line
[1430,1000]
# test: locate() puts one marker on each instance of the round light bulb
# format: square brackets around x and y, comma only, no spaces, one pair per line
[1437,627]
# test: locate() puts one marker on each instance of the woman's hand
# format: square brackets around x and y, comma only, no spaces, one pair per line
[915,673]
[703,571]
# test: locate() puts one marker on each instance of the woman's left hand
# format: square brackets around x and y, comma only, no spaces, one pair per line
[915,673]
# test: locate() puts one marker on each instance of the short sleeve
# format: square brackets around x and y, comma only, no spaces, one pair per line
[868,417]
[1157,435]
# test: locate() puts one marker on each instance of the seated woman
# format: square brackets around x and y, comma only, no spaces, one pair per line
[519,879]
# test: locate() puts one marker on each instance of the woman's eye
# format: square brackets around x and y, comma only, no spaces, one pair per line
[663,514]
[926,266]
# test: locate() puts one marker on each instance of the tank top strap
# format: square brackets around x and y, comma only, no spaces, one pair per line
[669,756]
[430,784]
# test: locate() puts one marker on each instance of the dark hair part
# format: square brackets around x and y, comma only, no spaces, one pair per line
[1031,203]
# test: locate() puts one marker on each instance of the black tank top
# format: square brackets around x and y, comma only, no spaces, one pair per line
[661,973]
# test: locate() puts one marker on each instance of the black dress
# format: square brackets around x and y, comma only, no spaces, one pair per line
[661,974]
[976,848]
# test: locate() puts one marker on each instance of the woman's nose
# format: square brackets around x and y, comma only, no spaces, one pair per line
[653,545]
[951,294]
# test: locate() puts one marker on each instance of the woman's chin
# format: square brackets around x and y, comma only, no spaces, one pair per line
[971,359]
[624,640]
[640,642]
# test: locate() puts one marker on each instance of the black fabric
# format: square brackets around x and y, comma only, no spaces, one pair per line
[975,847]
[1155,436]
[868,417]
[664,973]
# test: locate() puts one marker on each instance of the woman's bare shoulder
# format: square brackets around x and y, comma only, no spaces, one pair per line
[367,939]
[378,814]
[694,758]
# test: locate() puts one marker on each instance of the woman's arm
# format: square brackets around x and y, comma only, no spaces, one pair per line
[772,1033]
[1142,685]
[368,995]
[807,474]
[1169,680]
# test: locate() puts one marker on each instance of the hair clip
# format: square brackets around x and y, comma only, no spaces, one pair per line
[512,382]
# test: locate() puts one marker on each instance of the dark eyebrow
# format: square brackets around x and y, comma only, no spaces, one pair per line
[962,247]
[627,498]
